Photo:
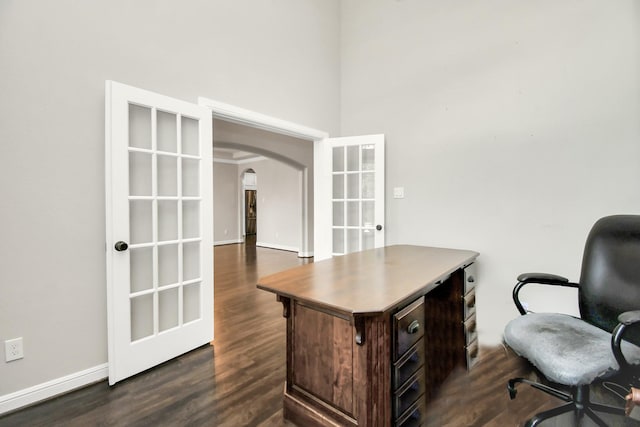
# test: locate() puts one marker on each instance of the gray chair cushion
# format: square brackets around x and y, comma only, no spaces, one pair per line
[565,349]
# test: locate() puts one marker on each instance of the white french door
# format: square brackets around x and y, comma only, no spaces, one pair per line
[357,170]
[159,219]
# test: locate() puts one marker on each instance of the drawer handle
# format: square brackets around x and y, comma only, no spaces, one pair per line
[471,327]
[471,279]
[473,351]
[415,415]
[413,327]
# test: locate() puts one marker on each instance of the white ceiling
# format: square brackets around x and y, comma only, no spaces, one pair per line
[229,155]
[230,133]
[239,143]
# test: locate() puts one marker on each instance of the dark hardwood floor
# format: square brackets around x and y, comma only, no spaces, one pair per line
[480,398]
[239,380]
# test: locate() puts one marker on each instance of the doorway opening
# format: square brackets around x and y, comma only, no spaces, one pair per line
[284,163]
[250,187]
[314,176]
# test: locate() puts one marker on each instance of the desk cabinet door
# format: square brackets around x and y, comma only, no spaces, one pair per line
[322,357]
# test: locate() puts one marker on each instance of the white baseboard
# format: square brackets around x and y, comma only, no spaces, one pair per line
[227,242]
[305,254]
[277,246]
[49,389]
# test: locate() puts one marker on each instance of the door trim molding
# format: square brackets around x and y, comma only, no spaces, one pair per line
[320,248]
[231,113]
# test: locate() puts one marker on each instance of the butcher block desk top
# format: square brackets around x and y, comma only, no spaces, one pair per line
[369,282]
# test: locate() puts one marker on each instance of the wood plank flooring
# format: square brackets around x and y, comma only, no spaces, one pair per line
[480,398]
[239,380]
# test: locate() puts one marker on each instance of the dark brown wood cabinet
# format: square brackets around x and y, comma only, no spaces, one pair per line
[372,335]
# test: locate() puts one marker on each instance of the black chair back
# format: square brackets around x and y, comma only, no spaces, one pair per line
[610,277]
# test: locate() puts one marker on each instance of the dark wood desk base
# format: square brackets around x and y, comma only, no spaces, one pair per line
[377,368]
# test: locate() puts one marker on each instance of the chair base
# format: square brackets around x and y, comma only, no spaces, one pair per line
[578,403]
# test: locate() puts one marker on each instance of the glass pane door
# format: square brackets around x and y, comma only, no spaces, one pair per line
[164,221]
[358,193]
[159,228]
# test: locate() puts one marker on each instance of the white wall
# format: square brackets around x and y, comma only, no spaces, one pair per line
[278,57]
[279,204]
[512,125]
[226,190]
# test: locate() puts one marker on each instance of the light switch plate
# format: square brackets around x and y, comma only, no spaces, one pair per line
[398,192]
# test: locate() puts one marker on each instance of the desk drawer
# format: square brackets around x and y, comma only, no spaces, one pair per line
[470,277]
[408,364]
[472,354]
[408,325]
[469,300]
[410,393]
[414,416]
[470,329]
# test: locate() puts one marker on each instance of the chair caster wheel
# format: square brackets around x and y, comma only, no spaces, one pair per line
[511,388]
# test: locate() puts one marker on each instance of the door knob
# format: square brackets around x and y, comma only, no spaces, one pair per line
[121,246]
[378,227]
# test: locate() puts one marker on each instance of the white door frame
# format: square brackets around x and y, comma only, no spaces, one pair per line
[322,190]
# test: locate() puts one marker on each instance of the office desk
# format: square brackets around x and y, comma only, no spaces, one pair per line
[372,334]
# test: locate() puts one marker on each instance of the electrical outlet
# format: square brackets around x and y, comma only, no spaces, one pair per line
[13,349]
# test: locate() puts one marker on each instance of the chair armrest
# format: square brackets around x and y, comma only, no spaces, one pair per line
[629,317]
[542,278]
[626,319]
[539,278]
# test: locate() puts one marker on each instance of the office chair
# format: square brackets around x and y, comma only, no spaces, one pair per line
[602,343]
